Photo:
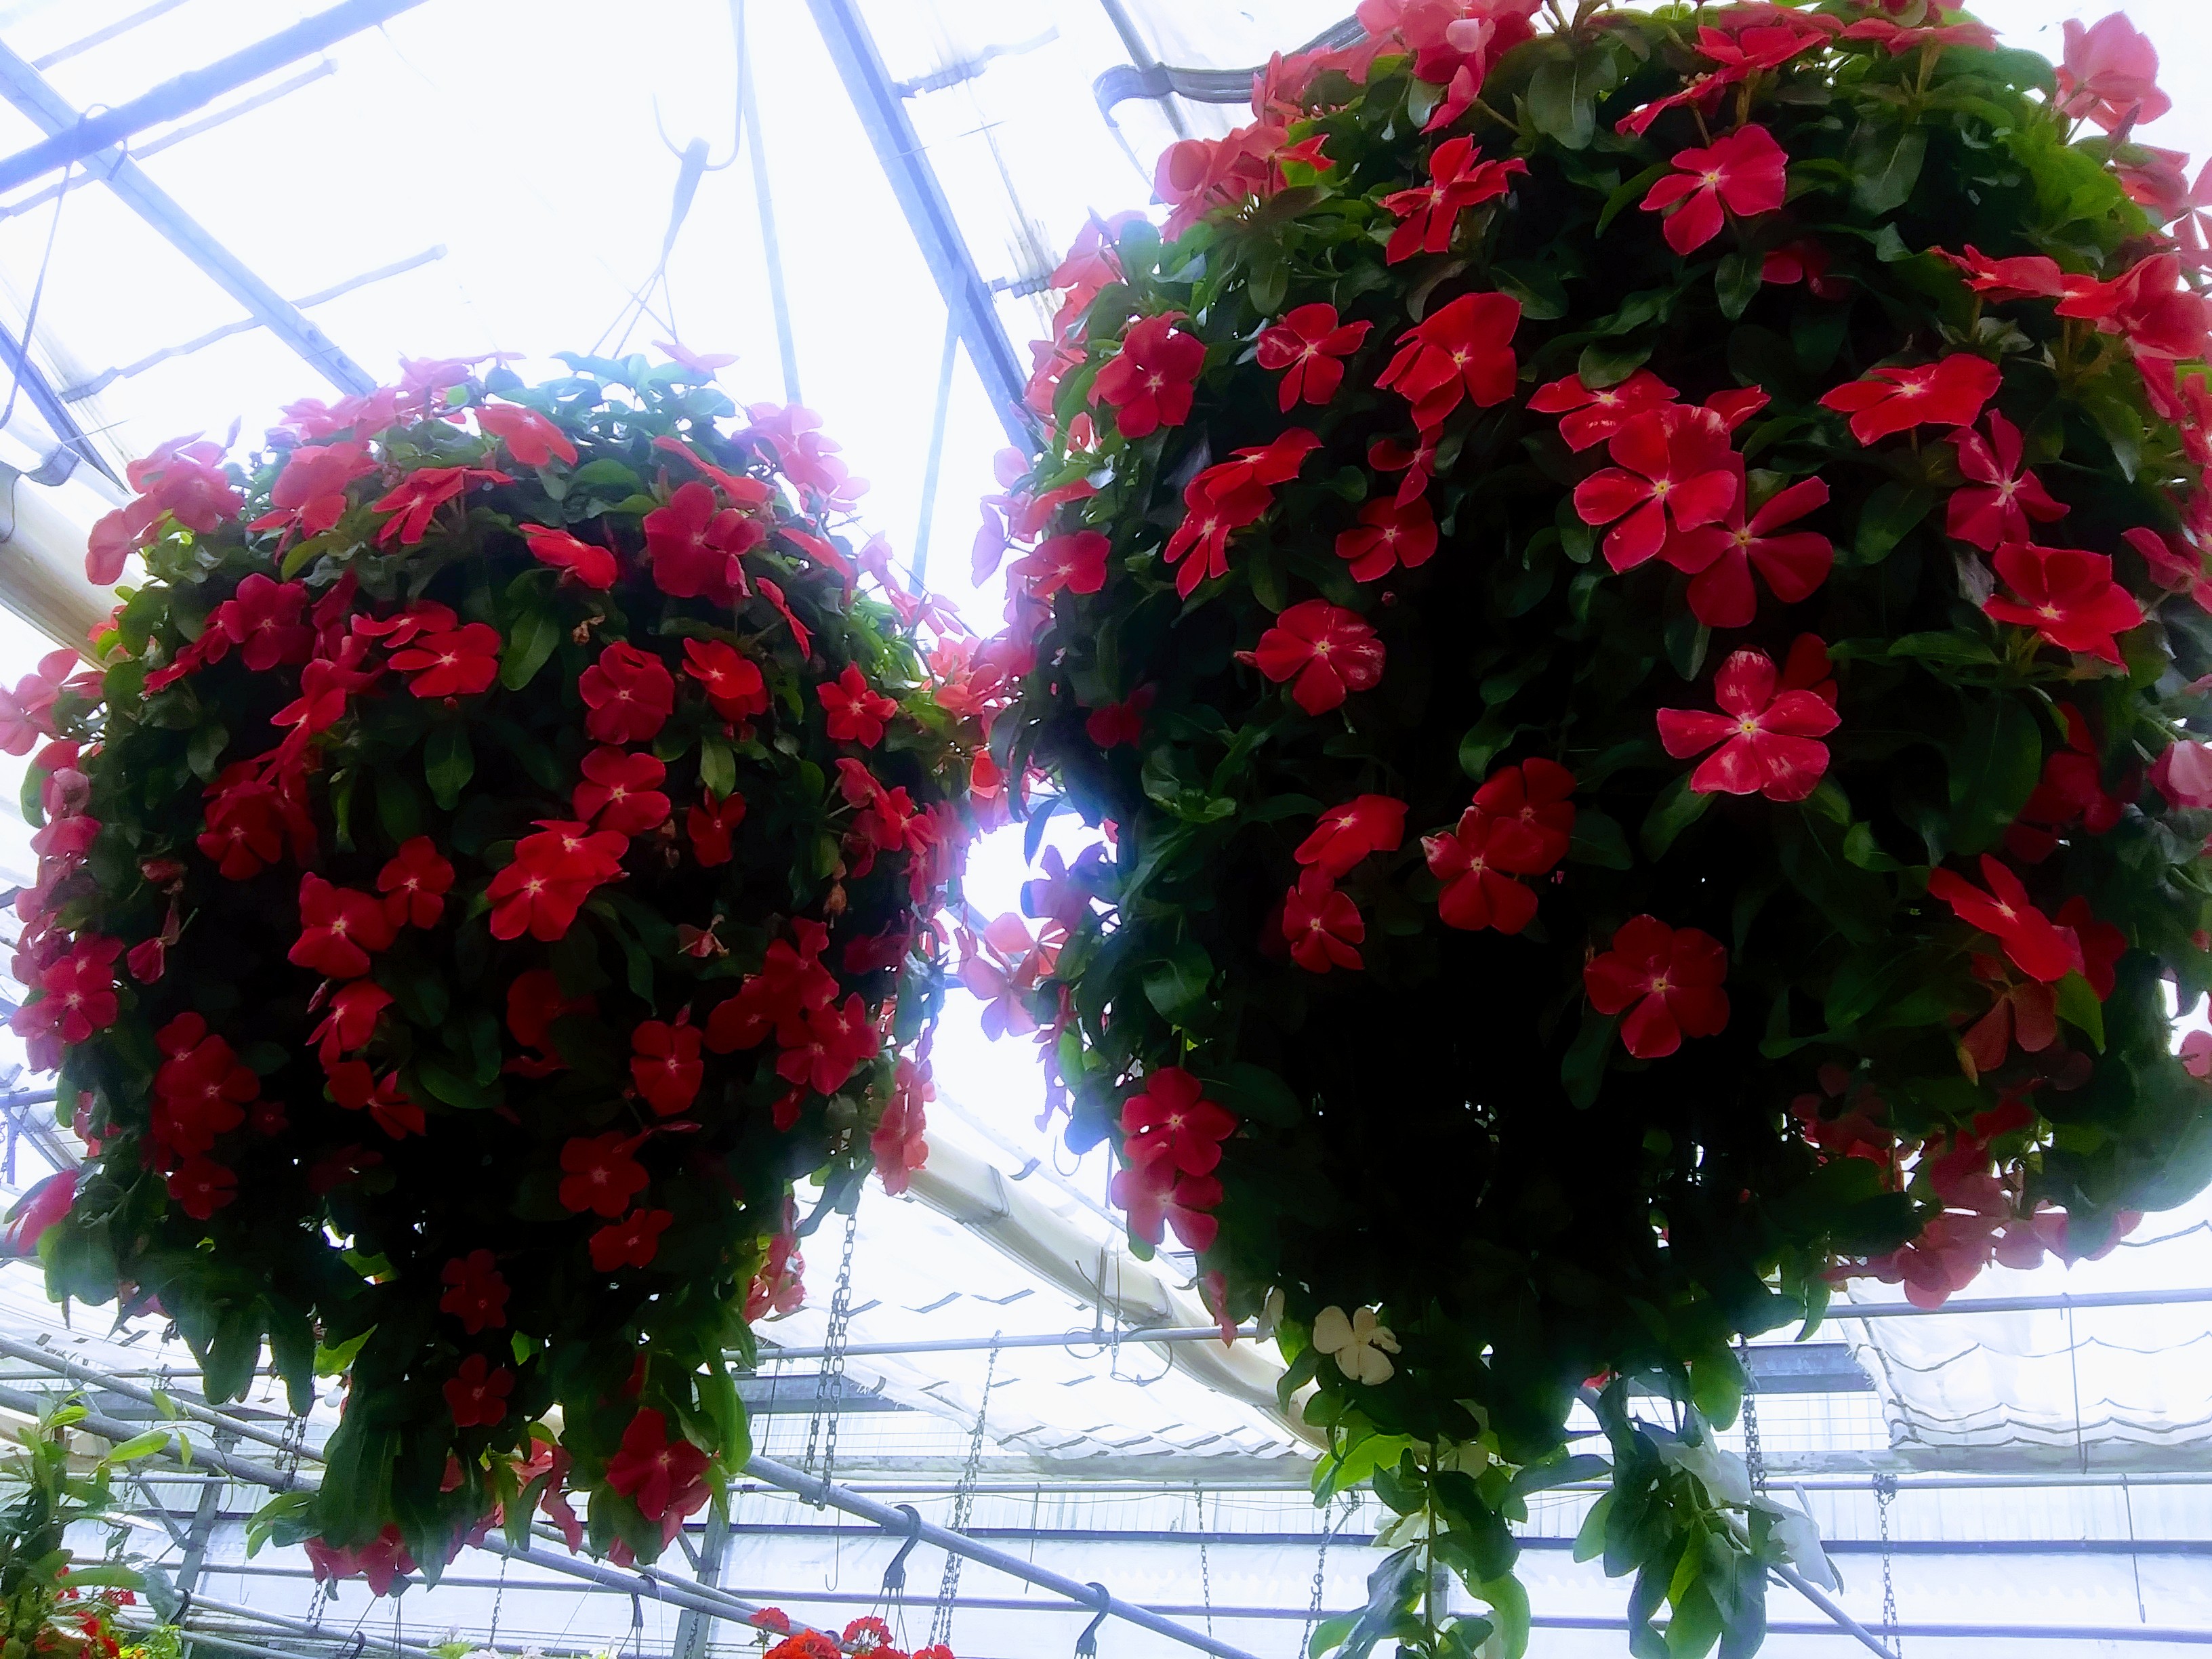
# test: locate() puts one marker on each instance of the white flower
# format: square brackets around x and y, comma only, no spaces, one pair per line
[1793,1529]
[1361,1345]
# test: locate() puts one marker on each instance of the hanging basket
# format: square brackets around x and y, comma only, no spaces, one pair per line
[1631,599]
[484,869]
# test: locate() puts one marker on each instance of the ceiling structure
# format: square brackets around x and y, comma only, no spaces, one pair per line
[512,175]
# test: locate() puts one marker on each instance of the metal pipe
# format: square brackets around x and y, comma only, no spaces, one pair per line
[882,115]
[897,1521]
[934,460]
[189,91]
[1037,1340]
[121,26]
[300,1627]
[787,344]
[28,91]
[62,1364]
[2006,1304]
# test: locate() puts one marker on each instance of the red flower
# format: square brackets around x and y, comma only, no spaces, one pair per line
[630,694]
[476,1293]
[551,877]
[201,1186]
[1769,738]
[1310,342]
[1390,534]
[2182,773]
[1673,977]
[339,928]
[2009,495]
[353,1089]
[653,1474]
[1723,556]
[263,618]
[791,983]
[1076,562]
[1418,463]
[2038,946]
[1347,834]
[457,663]
[534,1001]
[735,689]
[666,1067]
[351,1021]
[2102,945]
[1149,383]
[1226,498]
[2030,276]
[2067,596]
[1459,178]
[854,710]
[1155,1199]
[2110,75]
[695,544]
[1898,40]
[1111,725]
[476,1395]
[620,792]
[310,493]
[1951,393]
[1322,925]
[599,1174]
[2072,787]
[1171,1125]
[529,436]
[419,495]
[79,993]
[1673,468]
[2176,563]
[1329,650]
[594,567]
[1591,415]
[633,1242]
[1535,819]
[1465,350]
[833,1042]
[1803,261]
[2161,316]
[1746,172]
[415,884]
[709,824]
[1477,892]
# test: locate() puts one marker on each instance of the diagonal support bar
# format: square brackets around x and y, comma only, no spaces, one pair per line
[91,134]
[876,99]
[28,91]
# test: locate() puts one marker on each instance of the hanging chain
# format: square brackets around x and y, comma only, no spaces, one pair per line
[963,1507]
[1205,1569]
[499,1598]
[1336,1519]
[1753,1459]
[1885,1490]
[830,1385]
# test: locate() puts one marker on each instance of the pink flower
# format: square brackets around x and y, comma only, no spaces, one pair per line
[1327,652]
[1311,343]
[1769,737]
[2182,773]
[1746,172]
[2110,75]
[1673,468]
[1671,975]
[1150,381]
[1952,392]
[2008,494]
[1322,925]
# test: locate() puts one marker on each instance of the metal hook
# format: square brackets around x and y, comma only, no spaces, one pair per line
[895,1574]
[1086,1645]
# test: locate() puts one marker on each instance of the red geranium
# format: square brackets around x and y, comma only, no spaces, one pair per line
[1326,651]
[1769,732]
[1671,975]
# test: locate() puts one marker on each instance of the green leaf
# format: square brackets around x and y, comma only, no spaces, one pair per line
[448,763]
[1175,984]
[1589,1541]
[1885,163]
[398,805]
[1678,807]
[205,749]
[536,634]
[1582,1071]
[1630,190]
[1994,769]
[1608,363]
[1599,840]
[1861,847]
[139,1445]
[718,764]
[1890,514]
[1563,92]
[2079,1007]
[1736,282]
